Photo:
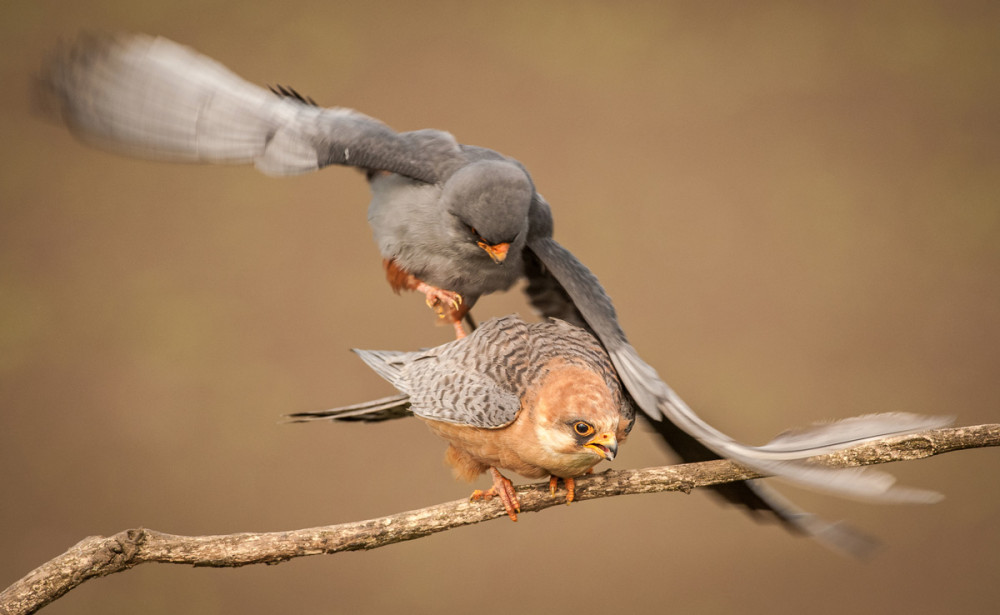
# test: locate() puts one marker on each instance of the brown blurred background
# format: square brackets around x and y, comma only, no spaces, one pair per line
[795,206]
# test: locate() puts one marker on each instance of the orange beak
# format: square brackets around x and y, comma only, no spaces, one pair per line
[605,445]
[498,252]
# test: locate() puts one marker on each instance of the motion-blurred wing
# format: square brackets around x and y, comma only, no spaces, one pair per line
[152,98]
[658,402]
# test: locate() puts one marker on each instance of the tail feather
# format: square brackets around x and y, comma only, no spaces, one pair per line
[383,409]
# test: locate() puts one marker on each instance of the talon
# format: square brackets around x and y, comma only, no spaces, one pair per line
[438,298]
[553,485]
[502,488]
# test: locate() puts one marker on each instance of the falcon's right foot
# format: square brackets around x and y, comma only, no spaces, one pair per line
[447,304]
[440,300]
[503,489]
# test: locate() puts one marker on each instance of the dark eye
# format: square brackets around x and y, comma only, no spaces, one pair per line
[583,428]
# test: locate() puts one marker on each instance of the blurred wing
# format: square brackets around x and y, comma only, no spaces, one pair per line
[854,430]
[548,296]
[658,401]
[837,536]
[152,98]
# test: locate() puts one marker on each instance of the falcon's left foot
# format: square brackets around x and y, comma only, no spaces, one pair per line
[503,489]
[570,487]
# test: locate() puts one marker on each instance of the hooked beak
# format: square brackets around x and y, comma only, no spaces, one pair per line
[604,445]
[498,252]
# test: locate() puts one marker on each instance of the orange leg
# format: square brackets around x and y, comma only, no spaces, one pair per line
[446,303]
[503,489]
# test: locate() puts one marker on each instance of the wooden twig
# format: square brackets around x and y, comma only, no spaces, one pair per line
[99,556]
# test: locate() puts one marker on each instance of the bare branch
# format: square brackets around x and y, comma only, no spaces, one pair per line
[98,556]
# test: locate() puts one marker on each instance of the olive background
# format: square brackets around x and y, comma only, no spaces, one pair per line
[793,205]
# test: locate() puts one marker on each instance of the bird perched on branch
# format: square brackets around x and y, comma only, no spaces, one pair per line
[452,221]
[539,399]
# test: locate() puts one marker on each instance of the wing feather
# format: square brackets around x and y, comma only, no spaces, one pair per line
[448,384]
[150,97]
[658,401]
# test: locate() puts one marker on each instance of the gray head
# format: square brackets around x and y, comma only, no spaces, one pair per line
[488,202]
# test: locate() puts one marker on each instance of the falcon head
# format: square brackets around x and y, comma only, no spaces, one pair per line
[488,203]
[577,421]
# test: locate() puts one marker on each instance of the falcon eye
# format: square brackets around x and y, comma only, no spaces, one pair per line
[583,428]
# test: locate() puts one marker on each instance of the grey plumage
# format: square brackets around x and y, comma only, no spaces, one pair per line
[432,199]
[152,98]
[428,228]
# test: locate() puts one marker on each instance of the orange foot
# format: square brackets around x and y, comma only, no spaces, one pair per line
[503,489]
[447,304]
[570,487]
[440,300]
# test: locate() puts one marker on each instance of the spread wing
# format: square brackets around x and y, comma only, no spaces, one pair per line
[151,98]
[559,284]
[659,402]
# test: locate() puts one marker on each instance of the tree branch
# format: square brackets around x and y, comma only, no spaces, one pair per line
[99,556]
